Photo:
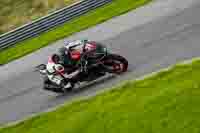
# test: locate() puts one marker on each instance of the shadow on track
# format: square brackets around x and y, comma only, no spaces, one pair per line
[87,86]
[88,89]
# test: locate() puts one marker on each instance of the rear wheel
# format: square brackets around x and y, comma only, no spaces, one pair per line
[46,83]
[49,86]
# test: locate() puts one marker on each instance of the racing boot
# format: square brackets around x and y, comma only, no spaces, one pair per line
[67,87]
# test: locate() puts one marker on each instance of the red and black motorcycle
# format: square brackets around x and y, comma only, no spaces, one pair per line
[95,63]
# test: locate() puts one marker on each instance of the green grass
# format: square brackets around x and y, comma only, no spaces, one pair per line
[167,102]
[14,13]
[99,15]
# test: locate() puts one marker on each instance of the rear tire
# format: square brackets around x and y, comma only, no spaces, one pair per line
[47,85]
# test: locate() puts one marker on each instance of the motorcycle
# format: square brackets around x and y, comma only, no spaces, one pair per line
[96,63]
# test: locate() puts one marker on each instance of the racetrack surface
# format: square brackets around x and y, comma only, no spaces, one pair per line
[148,46]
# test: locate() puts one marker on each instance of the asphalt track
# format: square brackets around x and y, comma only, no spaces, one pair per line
[149,46]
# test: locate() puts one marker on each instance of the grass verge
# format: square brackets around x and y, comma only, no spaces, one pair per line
[165,102]
[14,13]
[99,15]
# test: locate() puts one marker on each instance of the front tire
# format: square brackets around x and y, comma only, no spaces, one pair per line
[116,64]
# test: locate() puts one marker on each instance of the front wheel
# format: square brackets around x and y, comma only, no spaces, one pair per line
[115,64]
